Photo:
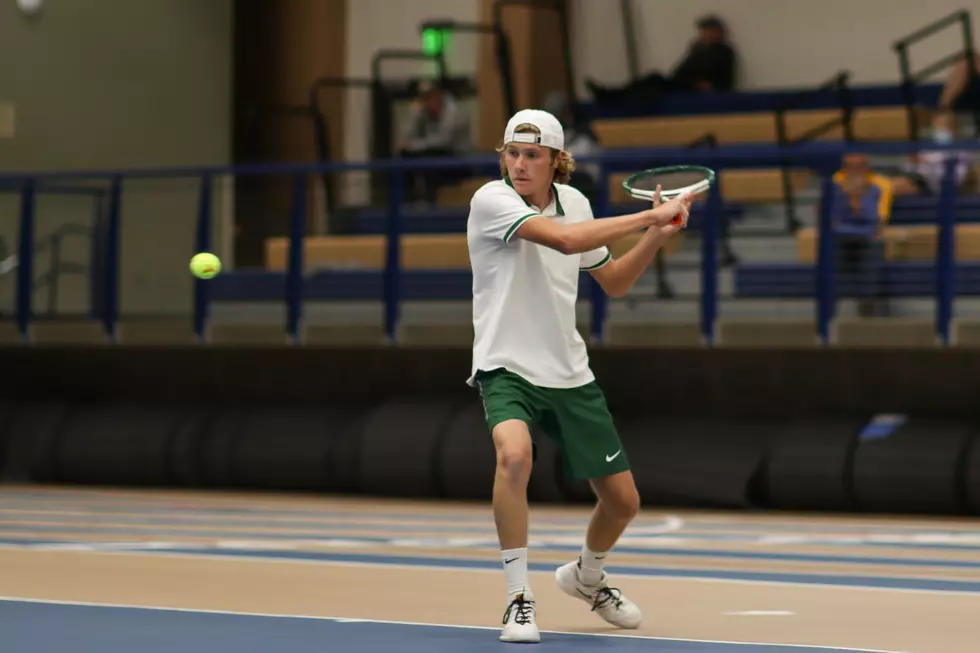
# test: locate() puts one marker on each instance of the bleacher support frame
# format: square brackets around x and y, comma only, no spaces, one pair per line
[909,79]
[838,82]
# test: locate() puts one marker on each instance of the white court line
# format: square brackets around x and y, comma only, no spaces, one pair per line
[759,613]
[482,570]
[92,604]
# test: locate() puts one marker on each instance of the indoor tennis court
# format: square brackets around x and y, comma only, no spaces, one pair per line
[113,571]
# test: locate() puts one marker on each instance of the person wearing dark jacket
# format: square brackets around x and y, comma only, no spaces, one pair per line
[709,65]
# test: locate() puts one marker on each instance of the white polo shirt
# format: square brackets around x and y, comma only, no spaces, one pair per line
[524,294]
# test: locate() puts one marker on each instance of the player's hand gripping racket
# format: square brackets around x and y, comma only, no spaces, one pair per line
[674,181]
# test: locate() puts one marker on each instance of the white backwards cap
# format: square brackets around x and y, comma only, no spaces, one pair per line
[552,135]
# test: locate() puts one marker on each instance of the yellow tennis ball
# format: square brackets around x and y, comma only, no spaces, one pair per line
[205,265]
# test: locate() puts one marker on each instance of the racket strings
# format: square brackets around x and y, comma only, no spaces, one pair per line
[668,182]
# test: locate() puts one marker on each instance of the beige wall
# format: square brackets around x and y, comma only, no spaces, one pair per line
[105,83]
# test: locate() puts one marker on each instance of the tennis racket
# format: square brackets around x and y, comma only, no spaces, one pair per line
[674,181]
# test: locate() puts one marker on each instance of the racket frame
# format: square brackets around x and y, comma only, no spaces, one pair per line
[669,193]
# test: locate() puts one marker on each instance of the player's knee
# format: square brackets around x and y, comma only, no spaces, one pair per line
[624,504]
[514,451]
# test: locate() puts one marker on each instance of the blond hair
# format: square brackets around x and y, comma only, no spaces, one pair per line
[566,162]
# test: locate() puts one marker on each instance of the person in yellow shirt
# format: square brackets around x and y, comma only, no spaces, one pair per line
[861,205]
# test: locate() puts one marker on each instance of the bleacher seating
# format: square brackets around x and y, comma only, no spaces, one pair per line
[434,247]
[418,252]
[909,247]
[870,124]
[675,104]
[452,219]
[907,243]
[897,279]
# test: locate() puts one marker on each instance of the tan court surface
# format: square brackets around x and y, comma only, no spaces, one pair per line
[853,582]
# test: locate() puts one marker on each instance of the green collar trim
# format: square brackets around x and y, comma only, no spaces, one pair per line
[554,191]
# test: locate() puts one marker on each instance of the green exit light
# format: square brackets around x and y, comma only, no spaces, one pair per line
[435,41]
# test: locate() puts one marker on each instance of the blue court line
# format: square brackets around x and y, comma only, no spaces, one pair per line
[102,504]
[719,554]
[112,506]
[881,582]
[122,629]
[340,529]
[152,506]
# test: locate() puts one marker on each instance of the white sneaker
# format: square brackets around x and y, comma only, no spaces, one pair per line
[519,622]
[607,602]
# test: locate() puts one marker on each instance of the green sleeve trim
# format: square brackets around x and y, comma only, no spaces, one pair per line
[598,265]
[517,223]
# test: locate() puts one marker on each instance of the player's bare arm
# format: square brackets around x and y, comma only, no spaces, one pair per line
[586,236]
[618,275]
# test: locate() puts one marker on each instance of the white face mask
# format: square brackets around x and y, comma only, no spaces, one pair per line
[942,136]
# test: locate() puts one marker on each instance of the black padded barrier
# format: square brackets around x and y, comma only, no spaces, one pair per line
[214,449]
[467,460]
[808,465]
[719,382]
[696,462]
[32,433]
[118,444]
[287,447]
[344,459]
[915,469]
[186,466]
[6,414]
[971,475]
[399,447]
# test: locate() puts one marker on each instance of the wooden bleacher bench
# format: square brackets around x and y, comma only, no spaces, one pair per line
[748,186]
[870,123]
[913,243]
[418,252]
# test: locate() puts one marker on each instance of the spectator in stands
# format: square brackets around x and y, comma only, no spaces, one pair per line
[962,88]
[708,66]
[923,173]
[438,127]
[860,208]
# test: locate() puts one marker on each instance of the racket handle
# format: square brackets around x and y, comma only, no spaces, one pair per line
[677,219]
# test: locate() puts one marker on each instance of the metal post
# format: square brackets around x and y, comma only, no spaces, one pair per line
[294,273]
[825,259]
[203,244]
[946,253]
[96,302]
[113,226]
[25,259]
[629,38]
[709,263]
[908,90]
[971,69]
[392,271]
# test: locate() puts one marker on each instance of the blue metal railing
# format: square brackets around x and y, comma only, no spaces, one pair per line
[823,158]
[50,278]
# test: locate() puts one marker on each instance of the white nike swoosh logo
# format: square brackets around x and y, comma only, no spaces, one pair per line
[611,458]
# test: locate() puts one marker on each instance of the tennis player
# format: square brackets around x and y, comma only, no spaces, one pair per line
[530,235]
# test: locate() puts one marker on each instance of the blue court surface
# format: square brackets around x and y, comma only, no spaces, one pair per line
[35,627]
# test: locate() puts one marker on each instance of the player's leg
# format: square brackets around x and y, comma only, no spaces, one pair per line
[592,450]
[510,405]
[617,506]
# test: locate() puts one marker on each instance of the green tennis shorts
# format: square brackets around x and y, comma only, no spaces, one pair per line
[576,419]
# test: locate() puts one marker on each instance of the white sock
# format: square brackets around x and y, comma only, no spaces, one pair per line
[590,565]
[515,571]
